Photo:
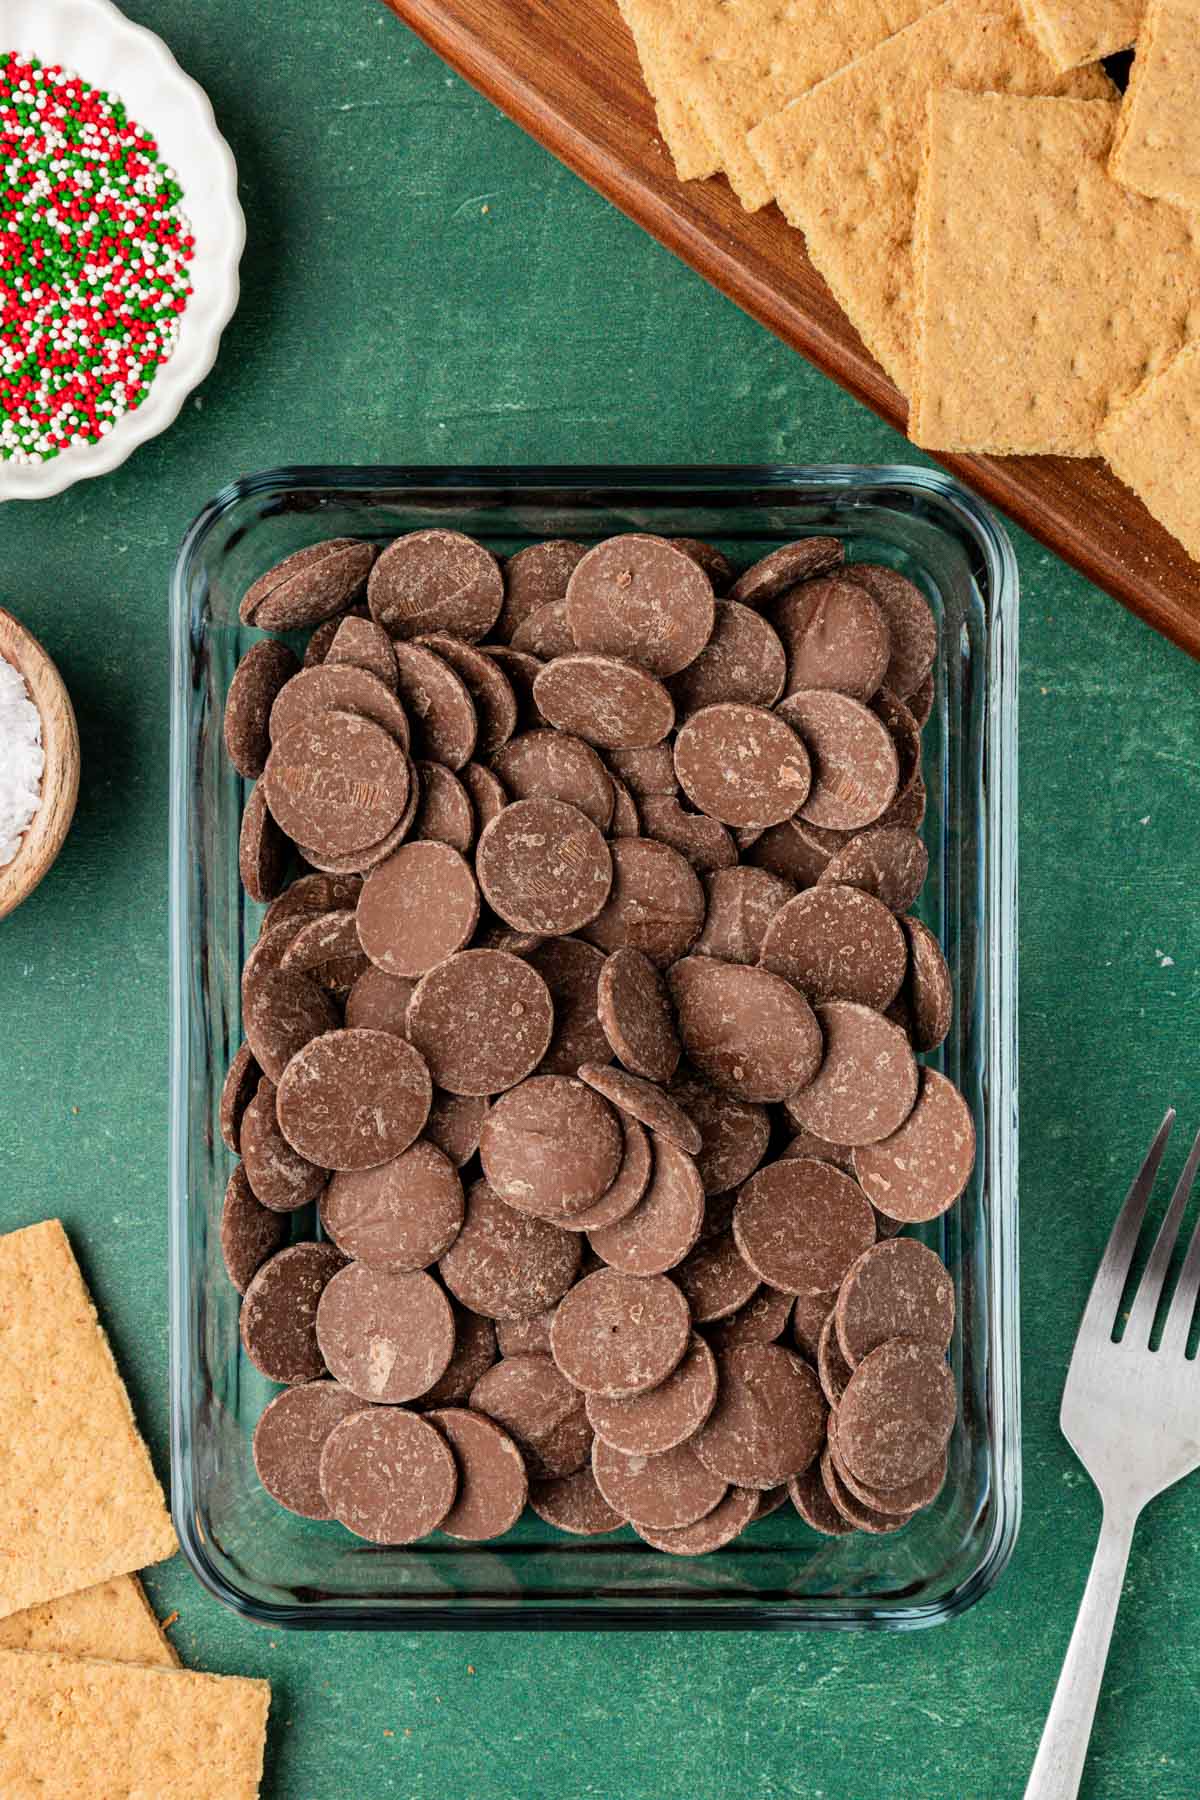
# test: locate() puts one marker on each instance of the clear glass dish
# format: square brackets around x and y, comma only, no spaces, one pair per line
[287,1571]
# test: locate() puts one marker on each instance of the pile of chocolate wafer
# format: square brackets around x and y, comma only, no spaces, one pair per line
[1016,245]
[579,1108]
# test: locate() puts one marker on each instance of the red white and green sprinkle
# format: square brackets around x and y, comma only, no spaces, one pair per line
[94,255]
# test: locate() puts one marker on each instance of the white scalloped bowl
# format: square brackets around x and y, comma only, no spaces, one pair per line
[102,46]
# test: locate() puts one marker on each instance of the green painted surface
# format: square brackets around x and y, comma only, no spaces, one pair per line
[388,316]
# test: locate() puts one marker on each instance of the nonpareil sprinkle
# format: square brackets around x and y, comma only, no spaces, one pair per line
[94,256]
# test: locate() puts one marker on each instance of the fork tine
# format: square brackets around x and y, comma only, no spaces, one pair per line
[1101,1310]
[1183,1303]
[1145,1305]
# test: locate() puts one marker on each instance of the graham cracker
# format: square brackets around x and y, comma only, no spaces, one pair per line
[81,1730]
[1157,146]
[1072,32]
[844,160]
[741,61]
[1045,293]
[1153,444]
[113,1620]
[79,1501]
[690,147]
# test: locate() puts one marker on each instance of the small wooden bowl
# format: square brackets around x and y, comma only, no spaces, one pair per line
[60,779]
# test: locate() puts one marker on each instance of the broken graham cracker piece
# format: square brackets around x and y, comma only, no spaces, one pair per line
[844,160]
[87,1730]
[113,1621]
[690,146]
[1045,293]
[79,1501]
[1153,444]
[1074,32]
[740,61]
[1157,147]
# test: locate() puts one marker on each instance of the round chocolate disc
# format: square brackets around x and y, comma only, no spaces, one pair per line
[895,1503]
[359,861]
[930,989]
[633,1178]
[237,1091]
[837,943]
[551,1146]
[890,863]
[314,894]
[716,1278]
[897,1414]
[741,904]
[733,1133]
[800,1224]
[486,793]
[262,849]
[532,1398]
[282,1012]
[417,908]
[488,686]
[792,853]
[716,566]
[809,1496]
[454,1124]
[474,1354]
[833,1371]
[742,661]
[326,948]
[648,772]
[400,1216]
[544,866]
[769,1420]
[546,633]
[289,1439]
[526,1337]
[607,702]
[571,970]
[749,1031]
[645,1101]
[647,1424]
[256,681]
[912,628]
[665,1224]
[618,1335]
[641,598]
[534,577]
[492,1484]
[436,581]
[278,1322]
[338,688]
[379,1001]
[743,765]
[625,820]
[338,782]
[855,769]
[387,1475]
[727,1520]
[279,1177]
[636,1015]
[867,1084]
[857,1516]
[250,1231]
[663,1492]
[784,568]
[386,1336]
[919,1171]
[553,765]
[574,1503]
[507,1264]
[363,645]
[807,1143]
[522,669]
[920,701]
[444,812]
[445,725]
[898,1289]
[761,1320]
[809,1314]
[834,636]
[656,904]
[482,1020]
[353,1099]
[704,841]
[307,586]
[906,736]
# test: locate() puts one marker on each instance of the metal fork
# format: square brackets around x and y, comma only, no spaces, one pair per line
[1132,1416]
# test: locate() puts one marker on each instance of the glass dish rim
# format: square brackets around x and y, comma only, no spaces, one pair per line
[609,482]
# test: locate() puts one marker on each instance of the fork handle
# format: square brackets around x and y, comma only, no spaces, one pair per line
[1058,1767]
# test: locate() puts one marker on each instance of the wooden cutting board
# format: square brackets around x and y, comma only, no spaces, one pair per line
[567,72]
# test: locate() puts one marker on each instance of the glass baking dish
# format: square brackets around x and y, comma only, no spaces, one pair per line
[280,1569]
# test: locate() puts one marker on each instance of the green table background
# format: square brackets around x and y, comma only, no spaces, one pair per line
[424,284]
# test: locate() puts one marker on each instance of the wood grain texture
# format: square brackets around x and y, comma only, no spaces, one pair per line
[60,779]
[569,76]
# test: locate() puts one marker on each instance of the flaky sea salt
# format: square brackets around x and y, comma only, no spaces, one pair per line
[21,760]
